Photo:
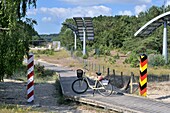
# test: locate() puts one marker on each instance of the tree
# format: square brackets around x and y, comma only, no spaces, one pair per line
[14,43]
[118,32]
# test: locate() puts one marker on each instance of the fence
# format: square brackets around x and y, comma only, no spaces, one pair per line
[116,76]
[111,72]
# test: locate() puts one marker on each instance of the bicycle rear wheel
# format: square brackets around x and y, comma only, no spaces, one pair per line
[79,86]
[104,90]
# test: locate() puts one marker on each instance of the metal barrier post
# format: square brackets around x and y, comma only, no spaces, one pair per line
[143,75]
[30,77]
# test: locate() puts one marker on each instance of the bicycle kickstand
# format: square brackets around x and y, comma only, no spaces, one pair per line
[93,92]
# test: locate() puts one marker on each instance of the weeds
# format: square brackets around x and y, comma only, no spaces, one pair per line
[61,99]
[16,109]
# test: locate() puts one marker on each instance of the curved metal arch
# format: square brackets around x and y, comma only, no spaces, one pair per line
[72,27]
[150,26]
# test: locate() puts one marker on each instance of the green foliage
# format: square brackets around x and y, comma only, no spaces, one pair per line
[104,50]
[118,32]
[47,52]
[50,37]
[41,72]
[78,53]
[156,60]
[133,60]
[116,56]
[112,60]
[85,56]
[14,42]
[16,109]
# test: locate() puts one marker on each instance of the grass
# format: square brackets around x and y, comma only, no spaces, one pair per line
[56,55]
[41,75]
[59,57]
[17,109]
[60,97]
[120,67]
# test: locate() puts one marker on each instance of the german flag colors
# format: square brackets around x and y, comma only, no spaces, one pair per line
[143,75]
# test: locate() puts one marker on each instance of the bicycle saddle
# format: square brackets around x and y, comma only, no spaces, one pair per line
[98,73]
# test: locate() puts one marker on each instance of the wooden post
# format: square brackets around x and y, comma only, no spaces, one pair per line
[88,65]
[131,83]
[103,69]
[114,74]
[108,71]
[122,79]
[99,68]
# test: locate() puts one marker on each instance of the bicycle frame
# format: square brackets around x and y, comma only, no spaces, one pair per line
[95,85]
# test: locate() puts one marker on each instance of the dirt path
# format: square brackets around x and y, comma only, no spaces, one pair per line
[14,92]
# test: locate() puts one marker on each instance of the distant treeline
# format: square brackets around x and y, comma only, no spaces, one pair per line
[49,37]
[118,32]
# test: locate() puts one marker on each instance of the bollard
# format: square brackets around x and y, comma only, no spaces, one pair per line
[30,77]
[143,75]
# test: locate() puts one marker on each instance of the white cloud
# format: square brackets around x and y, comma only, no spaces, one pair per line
[97,2]
[126,12]
[146,1]
[88,2]
[167,3]
[64,13]
[140,8]
[46,19]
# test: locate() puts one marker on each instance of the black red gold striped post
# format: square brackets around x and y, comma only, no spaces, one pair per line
[143,75]
[30,77]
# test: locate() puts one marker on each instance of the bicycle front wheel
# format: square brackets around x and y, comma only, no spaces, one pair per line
[104,90]
[79,86]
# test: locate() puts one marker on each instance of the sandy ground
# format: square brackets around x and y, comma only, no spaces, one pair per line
[159,91]
[14,92]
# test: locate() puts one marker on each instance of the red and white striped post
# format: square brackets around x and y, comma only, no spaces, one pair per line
[30,77]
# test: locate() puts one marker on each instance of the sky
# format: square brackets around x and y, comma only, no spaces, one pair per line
[50,14]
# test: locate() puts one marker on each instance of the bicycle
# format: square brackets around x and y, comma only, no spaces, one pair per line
[81,84]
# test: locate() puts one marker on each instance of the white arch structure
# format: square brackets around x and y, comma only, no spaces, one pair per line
[150,26]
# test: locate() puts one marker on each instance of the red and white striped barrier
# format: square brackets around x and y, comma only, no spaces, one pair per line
[30,77]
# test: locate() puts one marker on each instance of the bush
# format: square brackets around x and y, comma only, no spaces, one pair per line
[103,50]
[112,60]
[78,53]
[156,60]
[41,72]
[116,56]
[132,60]
[85,56]
[47,52]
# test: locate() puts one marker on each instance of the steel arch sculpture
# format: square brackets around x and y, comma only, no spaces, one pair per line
[152,25]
